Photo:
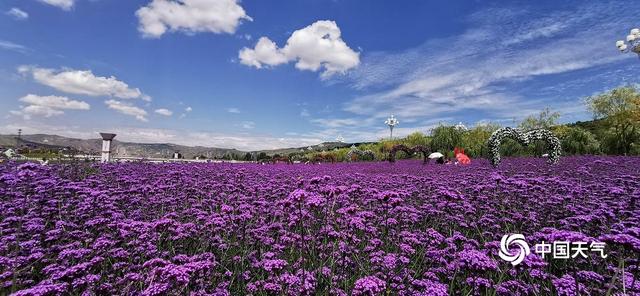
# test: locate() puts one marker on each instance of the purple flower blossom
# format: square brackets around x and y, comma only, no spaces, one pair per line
[368,228]
[566,286]
[369,285]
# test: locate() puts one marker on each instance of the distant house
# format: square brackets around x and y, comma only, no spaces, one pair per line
[9,153]
[177,155]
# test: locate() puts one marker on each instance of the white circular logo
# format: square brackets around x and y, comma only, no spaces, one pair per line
[516,239]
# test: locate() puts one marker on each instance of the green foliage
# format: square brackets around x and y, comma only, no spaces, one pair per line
[475,140]
[511,147]
[578,141]
[445,138]
[341,154]
[616,130]
[41,155]
[263,156]
[635,149]
[417,138]
[544,120]
[612,142]
[620,109]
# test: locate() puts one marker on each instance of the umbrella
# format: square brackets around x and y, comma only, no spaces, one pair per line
[435,155]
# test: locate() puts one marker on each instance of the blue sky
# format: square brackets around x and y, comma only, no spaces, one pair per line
[268,74]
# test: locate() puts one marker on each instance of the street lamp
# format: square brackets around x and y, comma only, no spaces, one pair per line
[19,142]
[632,44]
[391,122]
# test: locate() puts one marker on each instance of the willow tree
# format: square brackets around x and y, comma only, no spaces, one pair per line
[619,108]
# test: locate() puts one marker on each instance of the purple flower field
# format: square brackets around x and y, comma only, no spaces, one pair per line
[329,229]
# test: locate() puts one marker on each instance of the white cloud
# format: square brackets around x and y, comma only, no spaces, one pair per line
[233,110]
[64,4]
[190,16]
[127,109]
[373,129]
[336,122]
[35,110]
[315,47]
[304,112]
[482,69]
[186,110]
[8,45]
[163,111]
[55,102]
[244,142]
[83,83]
[248,125]
[265,52]
[47,106]
[18,13]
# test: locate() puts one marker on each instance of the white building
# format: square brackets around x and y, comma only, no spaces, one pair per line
[9,153]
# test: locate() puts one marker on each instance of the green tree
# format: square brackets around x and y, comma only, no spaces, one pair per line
[620,109]
[475,140]
[510,147]
[577,140]
[445,138]
[635,149]
[544,120]
[376,148]
[417,138]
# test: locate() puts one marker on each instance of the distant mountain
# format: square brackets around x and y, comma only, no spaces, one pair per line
[326,146]
[151,150]
[12,141]
[93,146]
[594,126]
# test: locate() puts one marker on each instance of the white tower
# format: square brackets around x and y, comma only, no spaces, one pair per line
[106,146]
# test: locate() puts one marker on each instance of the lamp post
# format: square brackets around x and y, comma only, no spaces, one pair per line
[19,142]
[632,44]
[391,122]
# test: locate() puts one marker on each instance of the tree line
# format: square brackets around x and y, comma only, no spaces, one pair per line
[614,130]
